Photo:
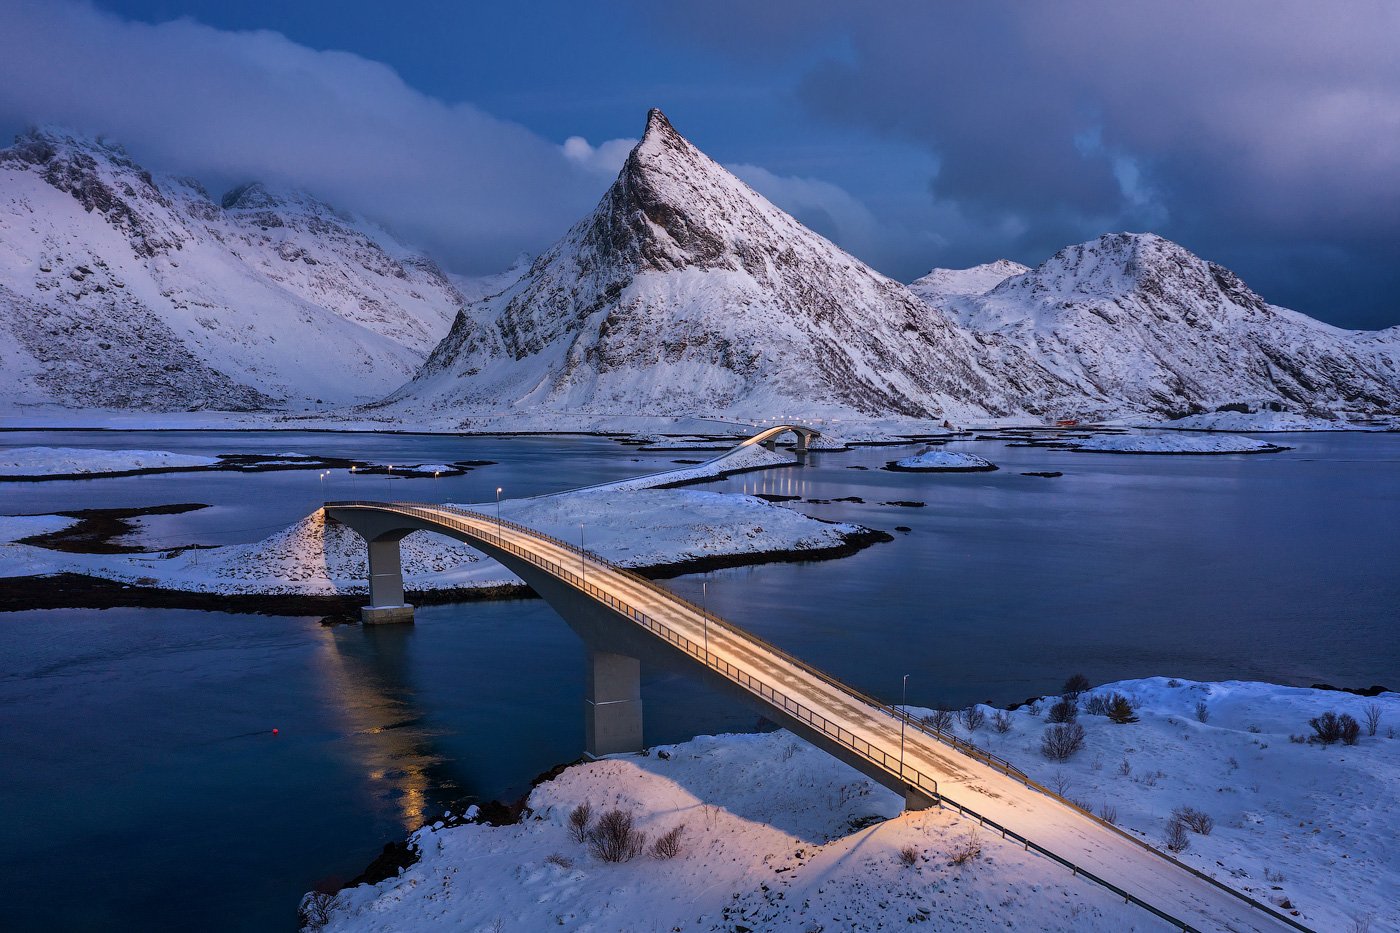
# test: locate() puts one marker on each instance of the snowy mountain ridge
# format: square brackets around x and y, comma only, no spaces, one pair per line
[121,289]
[686,291]
[1139,324]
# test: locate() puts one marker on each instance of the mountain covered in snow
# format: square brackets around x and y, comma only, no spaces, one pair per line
[1137,324]
[685,292]
[121,289]
[955,283]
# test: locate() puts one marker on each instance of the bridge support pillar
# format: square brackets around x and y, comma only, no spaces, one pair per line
[915,799]
[386,602]
[612,705]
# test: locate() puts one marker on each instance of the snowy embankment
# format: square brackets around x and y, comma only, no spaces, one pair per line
[779,836]
[941,461]
[15,527]
[1175,444]
[634,527]
[1260,422]
[73,461]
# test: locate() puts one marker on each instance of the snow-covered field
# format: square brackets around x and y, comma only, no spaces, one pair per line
[55,461]
[779,836]
[938,460]
[1175,444]
[634,527]
[1258,422]
[15,527]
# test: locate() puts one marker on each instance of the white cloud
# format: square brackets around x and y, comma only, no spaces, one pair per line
[604,159]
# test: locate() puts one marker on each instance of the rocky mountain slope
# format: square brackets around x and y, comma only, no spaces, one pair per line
[1137,324]
[687,292]
[119,289]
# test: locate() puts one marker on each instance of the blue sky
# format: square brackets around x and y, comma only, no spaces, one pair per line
[1264,136]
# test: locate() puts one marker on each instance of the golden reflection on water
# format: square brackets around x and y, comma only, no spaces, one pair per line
[364,675]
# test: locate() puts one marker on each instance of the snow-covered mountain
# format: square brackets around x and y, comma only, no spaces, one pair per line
[685,291]
[119,289]
[1138,324]
[941,284]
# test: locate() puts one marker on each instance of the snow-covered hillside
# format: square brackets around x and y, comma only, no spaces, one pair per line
[1136,323]
[120,289]
[779,836]
[978,280]
[684,292]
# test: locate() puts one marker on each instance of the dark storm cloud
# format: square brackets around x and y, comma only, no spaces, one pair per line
[236,106]
[1244,129]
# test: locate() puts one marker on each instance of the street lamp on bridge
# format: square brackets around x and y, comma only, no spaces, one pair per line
[498,511]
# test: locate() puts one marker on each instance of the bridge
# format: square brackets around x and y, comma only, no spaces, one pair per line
[769,437]
[624,619]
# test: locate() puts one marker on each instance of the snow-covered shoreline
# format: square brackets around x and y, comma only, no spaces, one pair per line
[32,462]
[777,835]
[1175,443]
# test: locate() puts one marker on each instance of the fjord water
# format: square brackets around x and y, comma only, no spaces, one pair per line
[141,785]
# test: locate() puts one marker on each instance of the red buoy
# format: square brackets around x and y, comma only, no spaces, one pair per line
[274,731]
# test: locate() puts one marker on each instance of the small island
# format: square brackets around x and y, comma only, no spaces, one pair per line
[941,461]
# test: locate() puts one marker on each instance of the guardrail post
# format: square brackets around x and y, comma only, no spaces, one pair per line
[612,706]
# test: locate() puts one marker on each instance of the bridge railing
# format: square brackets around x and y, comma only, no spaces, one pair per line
[961,745]
[469,522]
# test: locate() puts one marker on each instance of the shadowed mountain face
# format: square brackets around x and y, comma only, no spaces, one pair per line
[685,291]
[120,289]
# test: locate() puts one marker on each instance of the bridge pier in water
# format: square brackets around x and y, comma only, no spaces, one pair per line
[386,600]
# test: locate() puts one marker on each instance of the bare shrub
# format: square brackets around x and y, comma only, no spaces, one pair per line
[1125,767]
[1327,728]
[1176,839]
[563,861]
[1173,683]
[1065,709]
[940,720]
[908,856]
[1001,722]
[314,911]
[1061,742]
[969,849]
[668,845]
[1076,685]
[1120,710]
[972,718]
[1108,813]
[1202,711]
[1034,708]
[1061,783]
[1361,923]
[1351,729]
[1232,763]
[1373,717]
[615,837]
[1298,739]
[579,820]
[1198,821]
[1096,704]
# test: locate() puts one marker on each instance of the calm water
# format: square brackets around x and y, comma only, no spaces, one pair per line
[141,787]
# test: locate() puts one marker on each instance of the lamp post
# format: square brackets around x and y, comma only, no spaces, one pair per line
[498,512]
[705,615]
[904,721]
[582,562]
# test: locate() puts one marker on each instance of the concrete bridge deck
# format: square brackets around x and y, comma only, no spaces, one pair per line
[624,618]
